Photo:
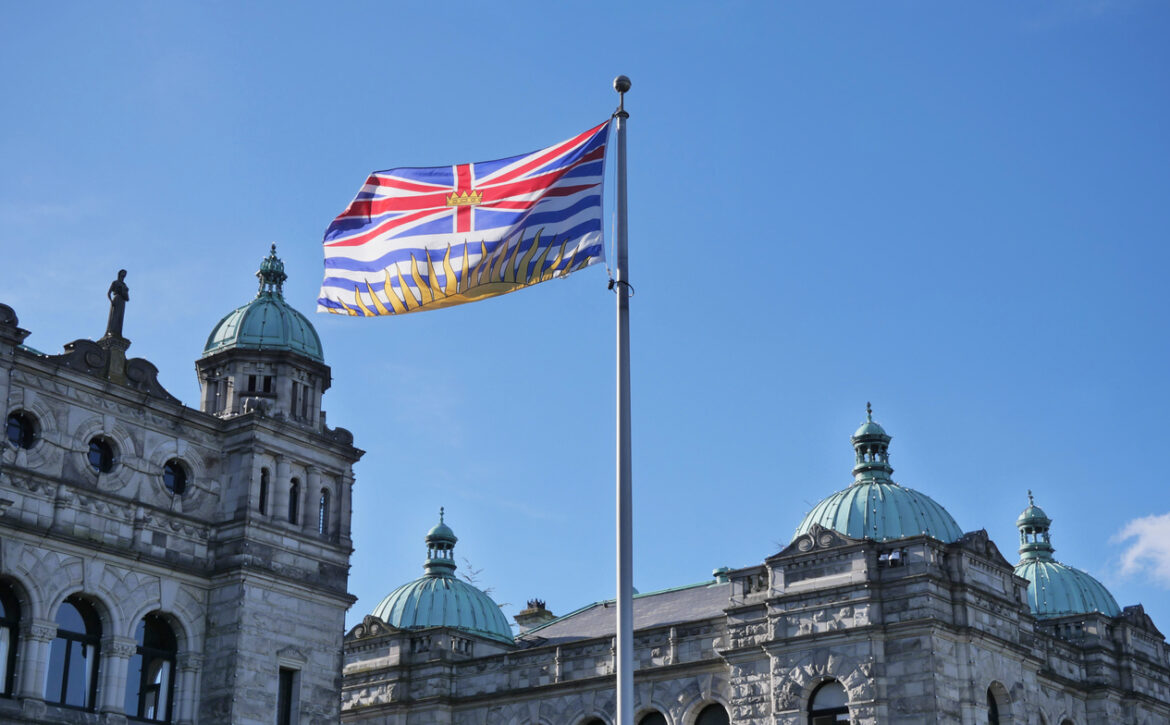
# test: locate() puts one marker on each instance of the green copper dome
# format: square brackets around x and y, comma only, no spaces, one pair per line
[1055,589]
[267,322]
[439,599]
[874,507]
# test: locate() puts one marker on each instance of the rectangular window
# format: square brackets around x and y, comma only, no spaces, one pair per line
[251,383]
[287,695]
[305,403]
[268,383]
[293,406]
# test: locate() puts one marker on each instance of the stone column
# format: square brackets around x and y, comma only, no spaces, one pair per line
[312,500]
[278,489]
[37,635]
[344,502]
[114,662]
[249,487]
[186,687]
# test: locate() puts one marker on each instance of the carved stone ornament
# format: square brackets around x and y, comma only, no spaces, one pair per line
[10,325]
[370,626]
[817,537]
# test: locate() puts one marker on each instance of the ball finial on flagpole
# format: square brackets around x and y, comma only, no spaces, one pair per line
[621,84]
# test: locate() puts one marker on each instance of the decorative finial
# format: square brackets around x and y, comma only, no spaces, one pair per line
[1030,501]
[868,412]
[621,84]
[271,273]
[441,514]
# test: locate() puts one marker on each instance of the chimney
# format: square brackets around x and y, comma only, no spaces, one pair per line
[533,616]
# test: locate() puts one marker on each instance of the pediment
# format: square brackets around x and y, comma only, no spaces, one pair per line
[370,626]
[291,654]
[91,358]
[980,543]
[817,538]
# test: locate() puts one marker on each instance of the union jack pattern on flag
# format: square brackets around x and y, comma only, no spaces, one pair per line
[423,238]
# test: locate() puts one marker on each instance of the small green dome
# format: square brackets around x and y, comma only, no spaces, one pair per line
[874,506]
[1033,516]
[439,599]
[870,429]
[268,322]
[1055,589]
[441,532]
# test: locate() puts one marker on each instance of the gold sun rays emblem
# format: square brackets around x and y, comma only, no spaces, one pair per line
[491,274]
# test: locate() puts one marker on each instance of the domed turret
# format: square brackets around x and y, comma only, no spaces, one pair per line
[264,356]
[268,322]
[1055,589]
[874,507]
[439,599]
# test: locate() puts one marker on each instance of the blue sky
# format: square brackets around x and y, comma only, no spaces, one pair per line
[956,211]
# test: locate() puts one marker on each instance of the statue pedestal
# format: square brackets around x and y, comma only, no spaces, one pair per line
[115,348]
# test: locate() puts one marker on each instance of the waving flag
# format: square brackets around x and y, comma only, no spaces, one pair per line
[424,238]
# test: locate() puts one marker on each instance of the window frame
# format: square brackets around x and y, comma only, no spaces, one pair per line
[178,484]
[29,429]
[10,623]
[92,637]
[815,716]
[148,654]
[107,452]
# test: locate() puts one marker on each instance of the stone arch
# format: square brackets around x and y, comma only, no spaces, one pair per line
[583,707]
[797,680]
[695,693]
[106,613]
[641,710]
[29,595]
[691,710]
[1003,700]
[178,614]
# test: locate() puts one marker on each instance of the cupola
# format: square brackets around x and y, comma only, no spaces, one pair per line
[874,506]
[440,599]
[264,357]
[1055,589]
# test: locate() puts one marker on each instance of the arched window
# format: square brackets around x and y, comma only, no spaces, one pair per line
[323,512]
[594,721]
[992,708]
[713,714]
[262,505]
[150,679]
[829,704]
[653,718]
[73,655]
[9,631]
[294,497]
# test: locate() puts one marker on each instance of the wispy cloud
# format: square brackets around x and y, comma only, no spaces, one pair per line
[1149,551]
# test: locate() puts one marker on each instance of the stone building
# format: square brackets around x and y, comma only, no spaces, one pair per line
[880,610]
[164,564]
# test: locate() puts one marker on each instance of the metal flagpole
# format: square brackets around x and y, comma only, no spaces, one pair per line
[625,548]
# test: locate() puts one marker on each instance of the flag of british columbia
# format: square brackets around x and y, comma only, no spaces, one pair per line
[423,238]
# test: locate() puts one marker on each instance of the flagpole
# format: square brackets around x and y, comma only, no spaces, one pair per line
[625,548]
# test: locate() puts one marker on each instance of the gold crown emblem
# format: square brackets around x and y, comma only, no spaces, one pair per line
[465,199]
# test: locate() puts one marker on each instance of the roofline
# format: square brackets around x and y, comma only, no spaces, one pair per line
[606,602]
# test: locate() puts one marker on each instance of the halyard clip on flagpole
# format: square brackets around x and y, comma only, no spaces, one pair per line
[625,549]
